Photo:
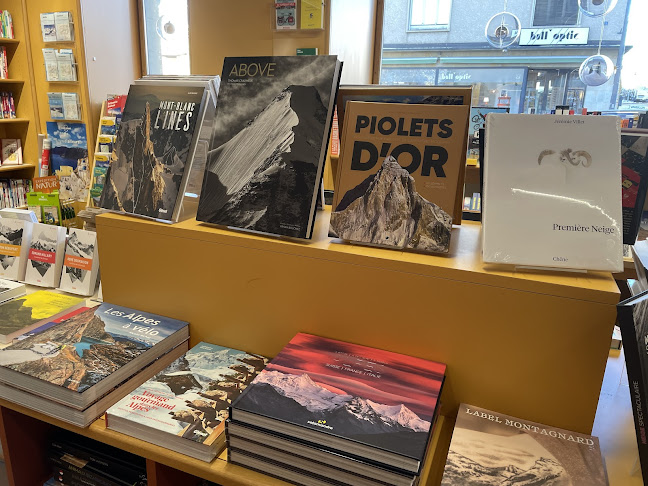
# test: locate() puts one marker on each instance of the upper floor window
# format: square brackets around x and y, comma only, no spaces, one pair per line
[429,14]
[555,12]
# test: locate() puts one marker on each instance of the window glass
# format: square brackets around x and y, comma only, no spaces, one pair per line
[167,36]
[429,13]
[555,12]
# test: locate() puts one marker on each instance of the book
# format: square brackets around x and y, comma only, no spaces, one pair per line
[307,51]
[66,65]
[525,452]
[81,263]
[154,150]
[71,106]
[108,125]
[399,175]
[10,290]
[285,15]
[85,356]
[269,143]
[69,158]
[15,237]
[312,14]
[184,407]
[71,471]
[51,64]
[106,143]
[45,257]
[11,151]
[48,27]
[63,26]
[362,402]
[617,341]
[552,200]
[56,105]
[23,314]
[634,182]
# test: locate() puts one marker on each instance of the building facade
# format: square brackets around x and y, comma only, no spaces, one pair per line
[443,42]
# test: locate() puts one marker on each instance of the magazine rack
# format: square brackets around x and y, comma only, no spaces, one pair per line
[531,345]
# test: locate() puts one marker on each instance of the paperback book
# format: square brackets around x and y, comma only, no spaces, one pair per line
[184,407]
[269,143]
[490,448]
[15,238]
[21,315]
[45,257]
[554,200]
[634,182]
[11,151]
[362,402]
[69,158]
[81,263]
[398,176]
[10,290]
[78,360]
[154,150]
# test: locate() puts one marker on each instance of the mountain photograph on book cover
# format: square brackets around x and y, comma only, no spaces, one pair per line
[193,394]
[42,243]
[368,395]
[78,248]
[152,150]
[267,143]
[84,349]
[69,158]
[386,209]
[506,451]
[9,235]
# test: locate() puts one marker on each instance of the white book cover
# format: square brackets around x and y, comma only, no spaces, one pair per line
[48,27]
[63,23]
[51,65]
[11,290]
[66,68]
[11,151]
[80,265]
[70,106]
[45,256]
[551,191]
[15,237]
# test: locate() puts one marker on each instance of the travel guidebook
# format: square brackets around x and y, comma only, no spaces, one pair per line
[634,182]
[15,237]
[184,407]
[84,356]
[69,158]
[399,175]
[490,448]
[372,404]
[154,149]
[269,142]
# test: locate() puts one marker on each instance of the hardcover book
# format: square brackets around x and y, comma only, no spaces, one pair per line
[154,150]
[80,265]
[269,143]
[69,158]
[553,200]
[15,238]
[21,315]
[634,182]
[45,257]
[84,356]
[364,402]
[490,448]
[398,174]
[10,290]
[185,406]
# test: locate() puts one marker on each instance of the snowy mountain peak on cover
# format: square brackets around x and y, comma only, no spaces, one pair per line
[43,237]
[401,415]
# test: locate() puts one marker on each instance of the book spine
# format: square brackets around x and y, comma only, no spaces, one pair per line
[96,479]
[637,391]
[12,105]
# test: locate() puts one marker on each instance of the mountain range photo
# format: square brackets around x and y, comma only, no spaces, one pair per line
[43,243]
[10,234]
[76,247]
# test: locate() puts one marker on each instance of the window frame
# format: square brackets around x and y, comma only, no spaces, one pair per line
[428,27]
[533,12]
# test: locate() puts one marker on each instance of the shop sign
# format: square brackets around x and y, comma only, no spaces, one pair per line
[560,36]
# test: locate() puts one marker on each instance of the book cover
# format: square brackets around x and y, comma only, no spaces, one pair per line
[22,314]
[66,65]
[269,143]
[190,398]
[312,14]
[63,26]
[80,265]
[56,105]
[71,106]
[398,176]
[69,158]
[634,182]
[51,65]
[553,200]
[490,448]
[82,350]
[11,151]
[10,289]
[45,255]
[286,15]
[378,398]
[153,150]
[48,27]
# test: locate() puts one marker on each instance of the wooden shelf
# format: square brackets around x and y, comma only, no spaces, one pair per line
[63,82]
[9,168]
[7,41]
[11,81]
[14,120]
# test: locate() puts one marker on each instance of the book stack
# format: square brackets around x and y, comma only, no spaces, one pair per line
[7,105]
[77,460]
[184,407]
[492,448]
[75,367]
[324,412]
[6,25]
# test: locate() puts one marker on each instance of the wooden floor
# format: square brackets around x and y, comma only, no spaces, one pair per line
[614,425]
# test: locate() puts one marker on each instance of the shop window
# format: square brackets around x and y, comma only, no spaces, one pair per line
[429,14]
[166,29]
[555,12]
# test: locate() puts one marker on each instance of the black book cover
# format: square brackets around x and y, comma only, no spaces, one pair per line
[634,182]
[153,147]
[268,144]
[633,321]
[67,465]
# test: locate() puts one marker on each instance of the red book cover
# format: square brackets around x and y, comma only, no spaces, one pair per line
[370,396]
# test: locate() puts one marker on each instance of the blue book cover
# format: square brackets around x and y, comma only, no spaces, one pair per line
[56,105]
[85,348]
[69,158]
